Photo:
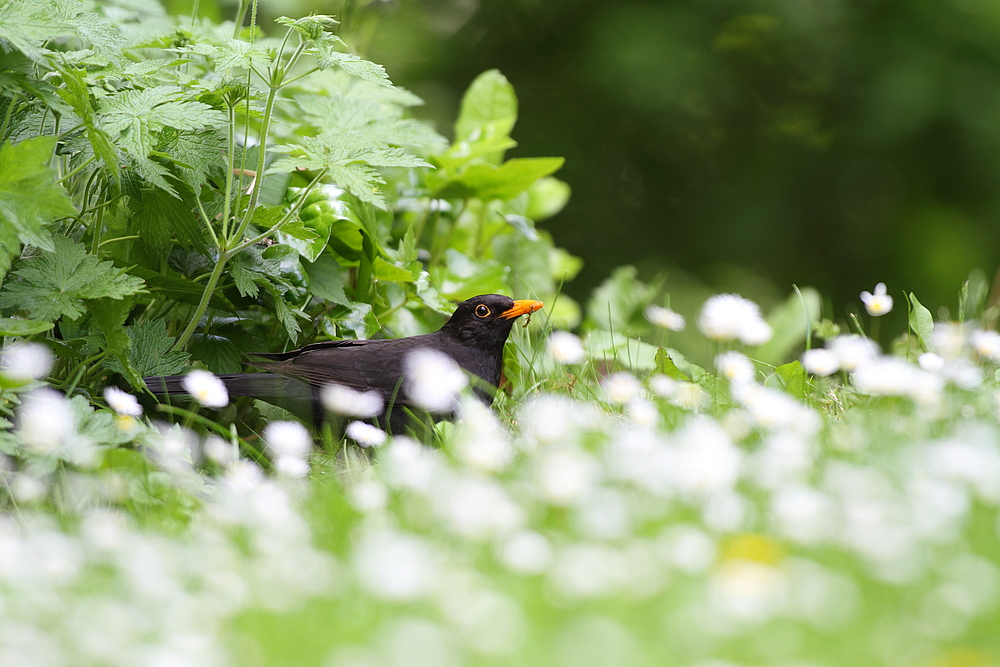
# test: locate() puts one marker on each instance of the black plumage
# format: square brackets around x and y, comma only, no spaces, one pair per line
[474,337]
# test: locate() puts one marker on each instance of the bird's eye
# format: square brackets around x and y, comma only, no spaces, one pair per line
[482,311]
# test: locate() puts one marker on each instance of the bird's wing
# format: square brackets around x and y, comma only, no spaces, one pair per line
[362,365]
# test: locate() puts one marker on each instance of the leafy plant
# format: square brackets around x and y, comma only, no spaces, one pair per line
[170,183]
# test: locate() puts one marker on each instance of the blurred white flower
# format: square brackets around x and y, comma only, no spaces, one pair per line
[748,591]
[729,317]
[23,362]
[803,514]
[895,377]
[525,552]
[774,409]
[477,508]
[348,402]
[218,450]
[687,395]
[642,412]
[291,466]
[931,362]
[433,380]
[45,420]
[583,570]
[687,548]
[553,418]
[173,447]
[564,475]
[566,348]
[394,565]
[735,367]
[368,496]
[820,361]
[288,438]
[27,488]
[703,460]
[986,344]
[950,339]
[853,351]
[481,443]
[122,402]
[410,465]
[206,388]
[664,317]
[365,434]
[620,387]
[879,303]
[289,443]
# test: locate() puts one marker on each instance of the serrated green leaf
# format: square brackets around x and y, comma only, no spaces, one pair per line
[26,26]
[921,322]
[30,198]
[354,65]
[55,284]
[237,53]
[161,219]
[150,352]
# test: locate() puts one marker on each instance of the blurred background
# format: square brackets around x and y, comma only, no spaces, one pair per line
[742,145]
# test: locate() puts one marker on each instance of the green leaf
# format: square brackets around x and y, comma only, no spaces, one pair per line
[620,300]
[489,108]
[30,198]
[110,316]
[921,322]
[218,353]
[149,352]
[307,241]
[486,181]
[237,53]
[161,219]
[462,277]
[391,273]
[793,378]
[789,321]
[325,280]
[180,289]
[665,364]
[360,322]
[353,65]
[546,197]
[26,26]
[51,285]
[10,326]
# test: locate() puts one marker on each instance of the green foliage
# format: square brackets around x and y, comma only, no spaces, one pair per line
[54,284]
[30,200]
[182,192]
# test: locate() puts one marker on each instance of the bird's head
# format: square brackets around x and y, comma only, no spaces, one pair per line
[486,320]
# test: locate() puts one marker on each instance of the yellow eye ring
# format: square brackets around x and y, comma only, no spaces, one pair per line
[482,311]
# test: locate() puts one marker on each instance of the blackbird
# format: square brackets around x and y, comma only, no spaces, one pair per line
[474,337]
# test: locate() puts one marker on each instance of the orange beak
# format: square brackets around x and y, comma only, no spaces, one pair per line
[522,307]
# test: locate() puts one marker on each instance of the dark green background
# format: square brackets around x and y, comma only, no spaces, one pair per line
[751,145]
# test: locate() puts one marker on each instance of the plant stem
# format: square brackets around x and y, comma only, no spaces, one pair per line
[202,306]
